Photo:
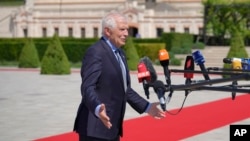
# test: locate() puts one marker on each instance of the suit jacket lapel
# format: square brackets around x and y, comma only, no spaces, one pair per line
[113,58]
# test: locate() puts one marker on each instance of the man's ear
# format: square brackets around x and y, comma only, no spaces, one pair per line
[107,31]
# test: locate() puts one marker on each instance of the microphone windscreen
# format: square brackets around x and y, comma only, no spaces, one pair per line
[158,84]
[163,55]
[237,65]
[198,57]
[227,60]
[189,65]
[150,68]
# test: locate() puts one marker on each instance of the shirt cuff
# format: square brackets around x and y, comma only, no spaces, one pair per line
[148,107]
[97,109]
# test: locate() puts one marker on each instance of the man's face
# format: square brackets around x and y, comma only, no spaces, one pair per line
[119,34]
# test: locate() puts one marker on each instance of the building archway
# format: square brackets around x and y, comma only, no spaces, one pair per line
[132,31]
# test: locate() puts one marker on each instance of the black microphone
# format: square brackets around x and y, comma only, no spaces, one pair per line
[189,65]
[164,61]
[160,90]
[146,74]
[199,60]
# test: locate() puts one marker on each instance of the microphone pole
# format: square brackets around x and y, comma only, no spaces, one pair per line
[199,60]
[163,56]
[237,64]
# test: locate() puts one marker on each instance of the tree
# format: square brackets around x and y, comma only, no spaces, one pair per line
[131,53]
[29,56]
[231,19]
[55,60]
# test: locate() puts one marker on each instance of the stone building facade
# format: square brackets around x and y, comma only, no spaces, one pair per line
[81,18]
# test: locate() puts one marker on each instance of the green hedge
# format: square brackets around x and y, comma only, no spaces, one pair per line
[75,48]
[179,43]
[149,49]
[29,56]
[10,49]
[55,60]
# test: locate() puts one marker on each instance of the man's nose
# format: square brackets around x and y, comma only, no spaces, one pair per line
[126,32]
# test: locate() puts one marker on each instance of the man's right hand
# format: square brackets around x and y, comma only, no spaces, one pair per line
[103,116]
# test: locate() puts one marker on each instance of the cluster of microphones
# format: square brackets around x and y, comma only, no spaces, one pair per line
[148,77]
[238,63]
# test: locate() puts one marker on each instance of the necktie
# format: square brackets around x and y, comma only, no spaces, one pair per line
[123,69]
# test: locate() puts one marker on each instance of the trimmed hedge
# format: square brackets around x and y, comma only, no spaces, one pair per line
[131,53]
[10,50]
[149,49]
[29,57]
[74,48]
[55,61]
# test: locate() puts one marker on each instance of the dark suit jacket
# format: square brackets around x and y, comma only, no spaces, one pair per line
[102,83]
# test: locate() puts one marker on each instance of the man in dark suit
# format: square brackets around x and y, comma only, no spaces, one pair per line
[106,86]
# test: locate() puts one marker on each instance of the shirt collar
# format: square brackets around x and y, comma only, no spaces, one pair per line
[110,44]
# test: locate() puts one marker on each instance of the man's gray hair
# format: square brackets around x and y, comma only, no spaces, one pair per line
[110,19]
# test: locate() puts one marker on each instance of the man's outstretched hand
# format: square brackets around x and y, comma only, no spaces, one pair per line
[155,112]
[103,116]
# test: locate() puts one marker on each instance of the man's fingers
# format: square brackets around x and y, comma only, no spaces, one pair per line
[156,103]
[103,116]
[156,112]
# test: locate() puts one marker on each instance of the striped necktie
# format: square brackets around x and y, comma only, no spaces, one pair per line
[124,76]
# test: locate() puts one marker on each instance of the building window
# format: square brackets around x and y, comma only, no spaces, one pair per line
[186,30]
[70,31]
[172,29]
[200,31]
[56,30]
[44,30]
[159,32]
[95,32]
[83,32]
[25,32]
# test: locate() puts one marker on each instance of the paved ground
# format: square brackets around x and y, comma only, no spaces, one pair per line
[35,106]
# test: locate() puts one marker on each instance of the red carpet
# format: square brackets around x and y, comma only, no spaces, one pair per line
[190,121]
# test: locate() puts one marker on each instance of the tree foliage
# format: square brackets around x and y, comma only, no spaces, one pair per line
[131,53]
[223,17]
[29,56]
[229,19]
[55,61]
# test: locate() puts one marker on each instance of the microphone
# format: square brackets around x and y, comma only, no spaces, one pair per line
[146,74]
[144,77]
[163,56]
[237,65]
[189,65]
[143,73]
[160,90]
[199,60]
[245,63]
[149,67]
